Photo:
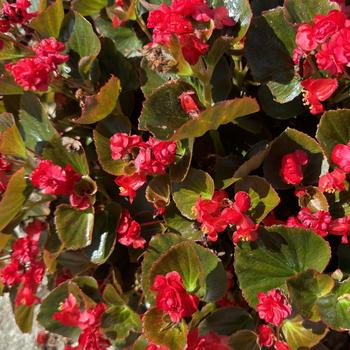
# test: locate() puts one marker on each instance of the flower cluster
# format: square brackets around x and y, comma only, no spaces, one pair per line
[129,231]
[26,267]
[323,51]
[292,167]
[149,158]
[217,213]
[55,180]
[322,223]
[15,13]
[89,322]
[273,307]
[35,73]
[179,19]
[172,297]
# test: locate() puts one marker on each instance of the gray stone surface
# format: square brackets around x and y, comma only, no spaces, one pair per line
[11,338]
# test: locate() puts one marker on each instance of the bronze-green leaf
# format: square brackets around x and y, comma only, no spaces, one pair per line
[74,226]
[99,106]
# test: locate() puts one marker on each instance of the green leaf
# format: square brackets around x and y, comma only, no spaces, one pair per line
[102,133]
[89,7]
[162,113]
[49,306]
[99,106]
[160,331]
[83,40]
[24,317]
[158,191]
[219,114]
[35,124]
[334,308]
[241,12]
[303,334]
[226,321]
[9,87]
[185,194]
[181,258]
[9,50]
[104,237]
[244,340]
[289,141]
[304,290]
[182,163]
[13,199]
[313,199]
[119,319]
[74,226]
[178,223]
[11,142]
[279,253]
[334,128]
[159,244]
[263,197]
[63,151]
[48,23]
[124,38]
[270,36]
[303,11]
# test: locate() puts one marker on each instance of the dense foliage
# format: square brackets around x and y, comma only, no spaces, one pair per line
[174,175]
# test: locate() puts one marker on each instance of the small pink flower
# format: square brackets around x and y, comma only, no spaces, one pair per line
[265,336]
[333,181]
[291,167]
[341,156]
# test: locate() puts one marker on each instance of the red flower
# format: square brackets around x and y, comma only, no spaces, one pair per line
[280,345]
[209,341]
[189,103]
[341,156]
[16,13]
[42,337]
[153,346]
[130,184]
[333,181]
[48,50]
[129,231]
[81,202]
[5,165]
[291,167]
[317,90]
[173,298]
[265,336]
[52,179]
[31,73]
[209,214]
[11,274]
[341,227]
[318,222]
[273,307]
[121,144]
[69,313]
[305,39]
[327,25]
[221,18]
[164,151]
[193,48]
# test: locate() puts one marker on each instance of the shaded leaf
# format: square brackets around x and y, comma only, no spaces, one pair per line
[244,340]
[221,113]
[74,227]
[89,7]
[99,106]
[226,321]
[158,191]
[185,194]
[334,128]
[36,127]
[289,141]
[279,253]
[304,290]
[102,133]
[162,113]
[24,317]
[182,163]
